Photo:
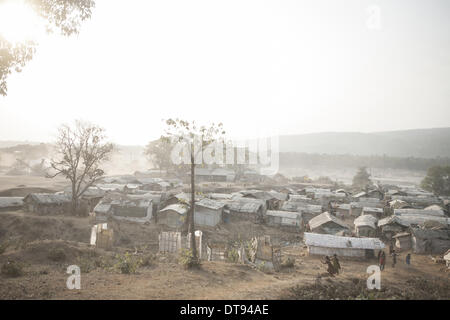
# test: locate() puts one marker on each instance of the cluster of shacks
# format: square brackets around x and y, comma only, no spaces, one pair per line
[411,218]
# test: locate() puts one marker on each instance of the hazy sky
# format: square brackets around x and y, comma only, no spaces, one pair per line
[259,66]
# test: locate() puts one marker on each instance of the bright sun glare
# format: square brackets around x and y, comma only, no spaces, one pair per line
[18,21]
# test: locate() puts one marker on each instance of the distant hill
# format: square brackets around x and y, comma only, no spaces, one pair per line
[8,144]
[423,143]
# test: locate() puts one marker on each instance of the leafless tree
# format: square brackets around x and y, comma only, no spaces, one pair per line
[195,138]
[81,150]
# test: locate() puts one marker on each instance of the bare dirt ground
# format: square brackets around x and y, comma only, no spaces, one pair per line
[44,246]
[34,240]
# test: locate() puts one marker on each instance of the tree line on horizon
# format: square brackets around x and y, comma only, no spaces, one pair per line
[292,160]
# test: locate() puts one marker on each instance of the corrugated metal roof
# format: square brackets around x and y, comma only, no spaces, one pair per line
[344,206]
[434,207]
[298,198]
[244,206]
[301,206]
[359,195]
[48,198]
[177,207]
[430,233]
[438,213]
[211,204]
[220,196]
[371,209]
[283,214]
[408,220]
[122,200]
[325,218]
[331,241]
[366,220]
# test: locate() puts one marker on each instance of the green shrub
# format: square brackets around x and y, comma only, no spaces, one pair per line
[187,260]
[86,265]
[12,269]
[127,263]
[233,255]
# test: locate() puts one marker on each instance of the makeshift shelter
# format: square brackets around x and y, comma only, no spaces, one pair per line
[325,244]
[11,203]
[366,226]
[265,254]
[124,207]
[298,198]
[289,220]
[422,212]
[402,241]
[447,258]
[399,204]
[429,241]
[47,203]
[173,215]
[101,236]
[208,212]
[375,212]
[245,209]
[216,251]
[327,223]
[378,194]
[173,242]
[214,175]
[273,200]
[179,198]
[419,201]
[308,211]
[398,223]
[220,196]
[342,210]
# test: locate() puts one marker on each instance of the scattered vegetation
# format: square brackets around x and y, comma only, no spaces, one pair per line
[12,269]
[437,180]
[232,255]
[362,180]
[127,263]
[187,259]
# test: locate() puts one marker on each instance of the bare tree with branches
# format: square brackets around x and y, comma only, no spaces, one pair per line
[81,150]
[195,139]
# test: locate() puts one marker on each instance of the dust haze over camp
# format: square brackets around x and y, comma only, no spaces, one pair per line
[303,146]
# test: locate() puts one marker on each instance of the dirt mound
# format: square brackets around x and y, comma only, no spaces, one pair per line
[50,252]
[19,229]
[23,192]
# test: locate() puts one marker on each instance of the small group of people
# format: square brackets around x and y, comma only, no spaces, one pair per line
[333,265]
[394,254]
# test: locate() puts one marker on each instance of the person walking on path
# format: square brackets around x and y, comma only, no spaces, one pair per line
[408,259]
[381,260]
[336,264]
[330,268]
[394,258]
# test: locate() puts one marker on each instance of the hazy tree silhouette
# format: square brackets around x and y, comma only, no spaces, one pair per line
[81,150]
[64,16]
[437,180]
